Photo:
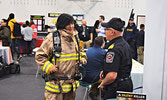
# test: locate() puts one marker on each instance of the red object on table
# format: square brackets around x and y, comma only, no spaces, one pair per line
[38,42]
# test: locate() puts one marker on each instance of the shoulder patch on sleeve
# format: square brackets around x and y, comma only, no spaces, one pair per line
[110,57]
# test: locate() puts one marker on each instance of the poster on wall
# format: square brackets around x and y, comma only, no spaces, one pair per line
[78,18]
[39,21]
[52,18]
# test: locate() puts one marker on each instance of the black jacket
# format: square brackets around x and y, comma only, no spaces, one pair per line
[86,35]
[140,38]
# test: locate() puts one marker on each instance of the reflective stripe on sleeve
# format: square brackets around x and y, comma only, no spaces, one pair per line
[46,66]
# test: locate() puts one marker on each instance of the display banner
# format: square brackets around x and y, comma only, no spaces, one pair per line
[39,21]
[78,18]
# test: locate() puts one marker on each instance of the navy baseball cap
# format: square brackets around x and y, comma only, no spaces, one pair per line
[115,23]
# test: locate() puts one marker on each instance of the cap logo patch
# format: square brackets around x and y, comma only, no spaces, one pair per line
[110,57]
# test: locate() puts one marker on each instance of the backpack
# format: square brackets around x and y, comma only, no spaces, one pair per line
[16,29]
[14,68]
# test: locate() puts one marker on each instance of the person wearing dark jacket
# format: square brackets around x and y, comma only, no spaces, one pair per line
[5,33]
[140,43]
[85,35]
[129,35]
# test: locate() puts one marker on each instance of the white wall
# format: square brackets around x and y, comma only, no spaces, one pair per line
[109,8]
[155,59]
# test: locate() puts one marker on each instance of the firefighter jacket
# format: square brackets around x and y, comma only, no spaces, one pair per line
[67,63]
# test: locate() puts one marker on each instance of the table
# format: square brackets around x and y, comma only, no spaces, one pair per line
[137,76]
[5,52]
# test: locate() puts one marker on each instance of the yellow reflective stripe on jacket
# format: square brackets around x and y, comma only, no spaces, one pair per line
[46,66]
[52,89]
[55,88]
[65,57]
[75,85]
[65,88]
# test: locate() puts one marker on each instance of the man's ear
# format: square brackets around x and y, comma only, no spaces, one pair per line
[113,32]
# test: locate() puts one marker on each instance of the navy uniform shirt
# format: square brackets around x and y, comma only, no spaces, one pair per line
[130,32]
[118,58]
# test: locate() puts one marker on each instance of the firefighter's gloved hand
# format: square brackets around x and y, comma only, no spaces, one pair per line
[54,68]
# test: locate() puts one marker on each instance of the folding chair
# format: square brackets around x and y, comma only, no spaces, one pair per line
[88,85]
[37,72]
[85,84]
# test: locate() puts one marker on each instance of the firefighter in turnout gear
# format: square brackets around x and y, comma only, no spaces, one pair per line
[64,85]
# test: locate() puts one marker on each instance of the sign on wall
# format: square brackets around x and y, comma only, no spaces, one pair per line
[78,18]
[39,21]
[52,18]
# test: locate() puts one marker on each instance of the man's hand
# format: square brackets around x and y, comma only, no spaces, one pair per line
[54,68]
[101,86]
[90,41]
[101,75]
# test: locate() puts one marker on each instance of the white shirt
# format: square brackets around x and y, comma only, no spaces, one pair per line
[27,32]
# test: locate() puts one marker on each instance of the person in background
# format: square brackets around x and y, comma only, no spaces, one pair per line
[94,66]
[5,33]
[117,61]
[27,33]
[96,25]
[20,43]
[101,30]
[129,35]
[14,46]
[140,43]
[85,35]
[34,28]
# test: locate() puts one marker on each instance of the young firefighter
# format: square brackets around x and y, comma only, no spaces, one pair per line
[64,85]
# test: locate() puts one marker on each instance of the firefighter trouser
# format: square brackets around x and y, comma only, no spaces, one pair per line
[59,96]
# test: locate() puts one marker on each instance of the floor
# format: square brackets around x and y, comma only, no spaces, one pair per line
[25,86]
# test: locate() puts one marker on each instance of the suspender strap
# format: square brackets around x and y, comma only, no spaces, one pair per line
[56,45]
[76,38]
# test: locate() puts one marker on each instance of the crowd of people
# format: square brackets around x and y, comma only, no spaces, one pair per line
[134,36]
[107,62]
[23,44]
[108,69]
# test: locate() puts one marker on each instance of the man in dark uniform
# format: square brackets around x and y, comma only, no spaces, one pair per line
[129,35]
[117,62]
